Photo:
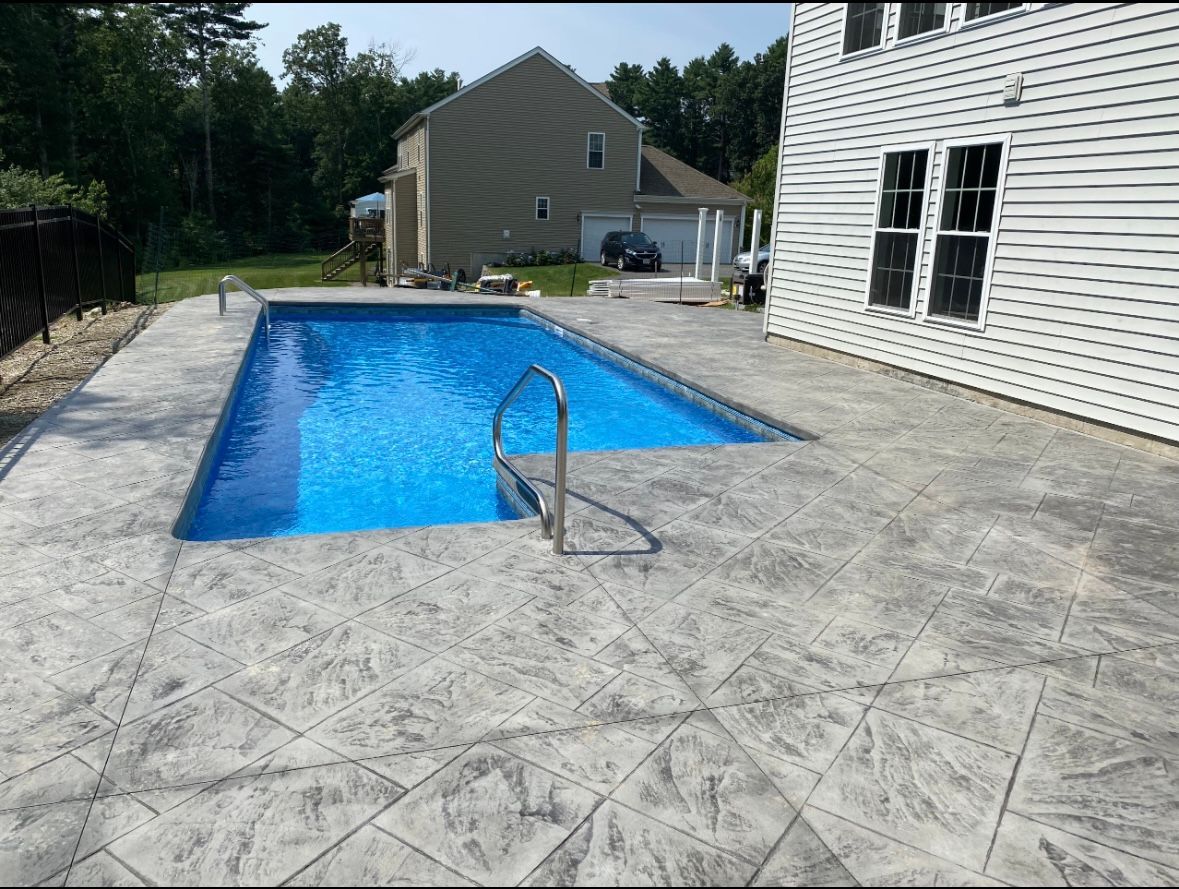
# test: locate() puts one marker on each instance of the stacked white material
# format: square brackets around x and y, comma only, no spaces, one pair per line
[657,289]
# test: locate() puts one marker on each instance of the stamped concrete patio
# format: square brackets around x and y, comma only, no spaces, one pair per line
[937,645]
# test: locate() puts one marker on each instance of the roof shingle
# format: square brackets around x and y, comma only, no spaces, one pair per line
[661,175]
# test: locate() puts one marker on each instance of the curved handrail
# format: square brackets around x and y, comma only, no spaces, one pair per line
[551,524]
[246,289]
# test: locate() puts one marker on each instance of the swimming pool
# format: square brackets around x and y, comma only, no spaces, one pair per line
[357,418]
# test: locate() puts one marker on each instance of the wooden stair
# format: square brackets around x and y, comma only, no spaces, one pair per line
[346,257]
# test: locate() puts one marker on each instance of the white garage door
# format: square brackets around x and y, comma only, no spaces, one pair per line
[676,236]
[594,227]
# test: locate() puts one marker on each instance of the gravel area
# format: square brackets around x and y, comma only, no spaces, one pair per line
[36,375]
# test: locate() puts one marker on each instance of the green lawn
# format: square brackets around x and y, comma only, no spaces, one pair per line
[554,280]
[272,270]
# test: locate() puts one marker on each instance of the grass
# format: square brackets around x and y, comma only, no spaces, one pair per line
[271,270]
[554,280]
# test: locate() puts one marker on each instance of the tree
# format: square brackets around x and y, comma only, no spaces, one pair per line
[660,102]
[319,97]
[760,185]
[207,28]
[20,188]
[625,85]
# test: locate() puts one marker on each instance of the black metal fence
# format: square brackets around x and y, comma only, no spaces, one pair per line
[55,260]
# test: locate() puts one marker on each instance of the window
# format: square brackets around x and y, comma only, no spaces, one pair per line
[542,208]
[900,219]
[921,18]
[983,10]
[970,207]
[595,151]
[863,27]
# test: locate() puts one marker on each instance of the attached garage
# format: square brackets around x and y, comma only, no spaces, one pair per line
[676,236]
[594,227]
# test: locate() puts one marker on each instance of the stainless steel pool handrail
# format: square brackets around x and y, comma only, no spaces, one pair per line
[552,523]
[246,289]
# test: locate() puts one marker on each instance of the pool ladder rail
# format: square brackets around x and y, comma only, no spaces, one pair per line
[552,521]
[245,288]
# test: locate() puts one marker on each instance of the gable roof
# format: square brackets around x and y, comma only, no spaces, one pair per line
[661,175]
[475,84]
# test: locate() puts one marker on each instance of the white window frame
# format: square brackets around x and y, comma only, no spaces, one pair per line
[1003,139]
[993,17]
[898,40]
[588,150]
[930,148]
[548,208]
[867,50]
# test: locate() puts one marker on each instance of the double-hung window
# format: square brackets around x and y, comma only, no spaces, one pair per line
[976,11]
[972,188]
[917,19]
[863,27]
[542,208]
[595,151]
[900,220]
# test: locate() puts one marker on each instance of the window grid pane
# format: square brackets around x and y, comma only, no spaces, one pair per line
[920,18]
[964,231]
[597,151]
[972,178]
[865,24]
[982,10]
[902,204]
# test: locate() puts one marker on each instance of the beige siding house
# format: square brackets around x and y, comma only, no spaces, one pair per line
[532,156]
[986,196]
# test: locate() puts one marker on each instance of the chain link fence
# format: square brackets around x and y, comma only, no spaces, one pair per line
[187,257]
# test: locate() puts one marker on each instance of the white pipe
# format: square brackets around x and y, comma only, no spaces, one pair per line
[703,221]
[716,239]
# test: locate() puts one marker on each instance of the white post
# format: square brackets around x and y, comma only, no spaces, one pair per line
[716,239]
[700,241]
[755,242]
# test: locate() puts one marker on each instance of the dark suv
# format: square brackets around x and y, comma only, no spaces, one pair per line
[631,250]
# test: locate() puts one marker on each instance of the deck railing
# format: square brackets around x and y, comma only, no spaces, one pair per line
[366,229]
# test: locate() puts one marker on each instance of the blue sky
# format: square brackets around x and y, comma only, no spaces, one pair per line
[474,38]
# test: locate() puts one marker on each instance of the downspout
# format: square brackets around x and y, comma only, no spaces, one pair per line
[639,164]
[765,320]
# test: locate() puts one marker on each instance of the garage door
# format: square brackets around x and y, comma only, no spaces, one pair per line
[594,227]
[678,233]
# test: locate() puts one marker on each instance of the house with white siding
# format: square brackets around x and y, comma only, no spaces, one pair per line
[984,197]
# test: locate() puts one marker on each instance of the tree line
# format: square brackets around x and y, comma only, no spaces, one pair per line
[167,107]
[135,109]
[719,114]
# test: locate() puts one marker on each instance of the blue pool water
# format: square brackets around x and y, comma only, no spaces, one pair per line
[353,419]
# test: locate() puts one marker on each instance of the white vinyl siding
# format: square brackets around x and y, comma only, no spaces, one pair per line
[1083,308]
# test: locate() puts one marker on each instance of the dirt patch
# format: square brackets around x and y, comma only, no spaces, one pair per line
[36,375]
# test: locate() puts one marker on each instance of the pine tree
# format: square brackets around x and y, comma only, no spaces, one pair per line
[207,28]
[660,102]
[625,84]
